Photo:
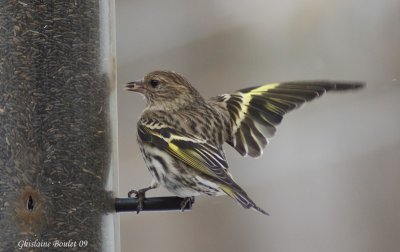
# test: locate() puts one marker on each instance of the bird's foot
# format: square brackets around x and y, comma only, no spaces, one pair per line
[185,202]
[140,195]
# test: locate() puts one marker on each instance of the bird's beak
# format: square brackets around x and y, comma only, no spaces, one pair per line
[136,86]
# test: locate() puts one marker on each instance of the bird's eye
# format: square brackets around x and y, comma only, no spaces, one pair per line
[154,83]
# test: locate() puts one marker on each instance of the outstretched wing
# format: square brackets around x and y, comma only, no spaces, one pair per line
[254,112]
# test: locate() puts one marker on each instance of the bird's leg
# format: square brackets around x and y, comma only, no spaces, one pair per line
[141,194]
[185,201]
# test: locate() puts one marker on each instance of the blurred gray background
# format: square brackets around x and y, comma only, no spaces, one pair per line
[330,178]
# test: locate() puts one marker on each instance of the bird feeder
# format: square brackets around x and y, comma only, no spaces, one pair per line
[58,164]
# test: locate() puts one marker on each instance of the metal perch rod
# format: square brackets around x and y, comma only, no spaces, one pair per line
[151,204]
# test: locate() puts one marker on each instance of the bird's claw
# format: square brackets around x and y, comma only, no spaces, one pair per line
[185,202]
[140,195]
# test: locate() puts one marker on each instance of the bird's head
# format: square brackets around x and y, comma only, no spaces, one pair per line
[165,90]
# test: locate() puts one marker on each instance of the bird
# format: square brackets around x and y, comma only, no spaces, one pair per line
[181,134]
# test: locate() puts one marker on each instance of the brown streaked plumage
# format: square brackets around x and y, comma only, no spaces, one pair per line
[181,134]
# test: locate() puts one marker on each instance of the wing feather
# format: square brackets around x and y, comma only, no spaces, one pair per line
[195,152]
[255,112]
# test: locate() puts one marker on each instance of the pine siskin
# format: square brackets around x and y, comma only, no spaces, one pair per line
[181,134]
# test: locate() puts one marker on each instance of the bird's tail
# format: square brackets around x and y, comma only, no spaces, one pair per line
[241,197]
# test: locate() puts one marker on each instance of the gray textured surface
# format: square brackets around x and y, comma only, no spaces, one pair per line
[55,132]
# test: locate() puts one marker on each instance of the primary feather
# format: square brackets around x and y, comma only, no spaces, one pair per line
[254,112]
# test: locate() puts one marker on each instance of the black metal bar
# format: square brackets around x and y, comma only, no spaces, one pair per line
[151,204]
